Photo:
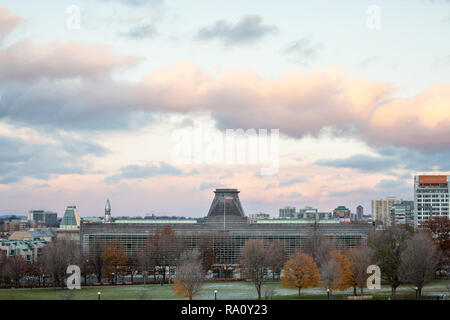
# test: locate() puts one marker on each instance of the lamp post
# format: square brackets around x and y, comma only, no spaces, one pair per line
[328,293]
[417,293]
[98,294]
[215,294]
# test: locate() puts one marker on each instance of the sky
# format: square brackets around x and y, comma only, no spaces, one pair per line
[97,96]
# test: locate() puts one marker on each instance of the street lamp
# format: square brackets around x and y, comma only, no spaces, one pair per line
[215,294]
[98,294]
[328,293]
[417,292]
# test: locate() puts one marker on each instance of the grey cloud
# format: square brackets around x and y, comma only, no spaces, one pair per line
[394,158]
[303,51]
[367,61]
[141,32]
[144,171]
[87,105]
[20,159]
[362,162]
[291,181]
[248,30]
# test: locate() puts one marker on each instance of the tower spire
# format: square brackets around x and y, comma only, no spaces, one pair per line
[108,212]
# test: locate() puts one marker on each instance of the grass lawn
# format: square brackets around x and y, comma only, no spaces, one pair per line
[226,290]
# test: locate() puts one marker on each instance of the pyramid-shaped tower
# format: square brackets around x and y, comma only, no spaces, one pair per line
[226,202]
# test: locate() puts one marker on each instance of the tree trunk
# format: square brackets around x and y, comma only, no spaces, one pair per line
[299,289]
[354,291]
[419,293]
[393,290]
[362,291]
[258,289]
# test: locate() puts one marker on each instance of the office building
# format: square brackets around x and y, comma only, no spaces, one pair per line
[402,213]
[227,227]
[47,218]
[287,213]
[381,209]
[431,195]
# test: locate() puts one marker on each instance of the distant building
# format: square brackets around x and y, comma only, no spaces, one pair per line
[341,212]
[228,228]
[28,249]
[258,216]
[402,213]
[33,234]
[71,219]
[359,212]
[381,209]
[287,213]
[431,197]
[308,213]
[47,218]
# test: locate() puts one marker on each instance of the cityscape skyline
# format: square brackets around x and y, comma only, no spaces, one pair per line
[92,92]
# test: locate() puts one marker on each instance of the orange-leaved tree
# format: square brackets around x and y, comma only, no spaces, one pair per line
[300,272]
[114,260]
[347,280]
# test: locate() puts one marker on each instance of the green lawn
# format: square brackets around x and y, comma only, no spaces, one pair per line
[226,290]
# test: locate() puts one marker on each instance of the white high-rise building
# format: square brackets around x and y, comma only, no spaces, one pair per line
[431,194]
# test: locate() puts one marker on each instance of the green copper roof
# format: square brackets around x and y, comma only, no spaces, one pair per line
[71,217]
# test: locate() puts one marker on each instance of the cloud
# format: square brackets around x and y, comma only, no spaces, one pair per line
[138,3]
[8,21]
[391,158]
[291,181]
[361,162]
[21,159]
[145,171]
[422,121]
[246,31]
[367,61]
[141,32]
[27,61]
[303,51]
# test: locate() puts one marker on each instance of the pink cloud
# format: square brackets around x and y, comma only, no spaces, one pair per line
[8,21]
[28,60]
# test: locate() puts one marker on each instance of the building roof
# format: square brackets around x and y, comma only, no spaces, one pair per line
[71,217]
[226,202]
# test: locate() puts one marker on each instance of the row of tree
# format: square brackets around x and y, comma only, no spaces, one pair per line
[404,256]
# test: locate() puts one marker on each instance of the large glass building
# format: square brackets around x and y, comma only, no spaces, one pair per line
[228,229]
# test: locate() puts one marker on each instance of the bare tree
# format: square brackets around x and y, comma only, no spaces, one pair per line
[359,258]
[97,249]
[276,258]
[16,268]
[419,260]
[254,261]
[206,248]
[190,275]
[387,247]
[146,260]
[319,246]
[166,249]
[57,256]
[331,275]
